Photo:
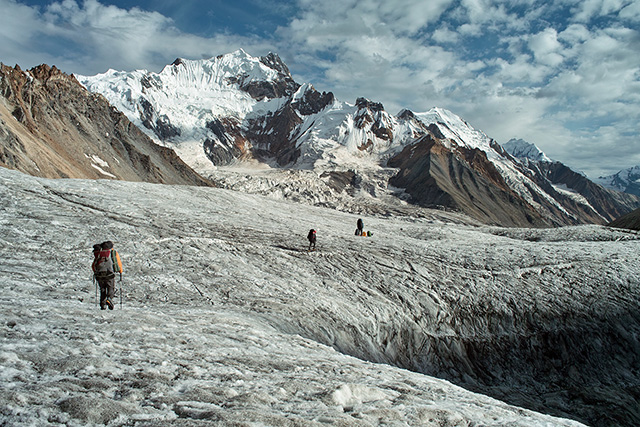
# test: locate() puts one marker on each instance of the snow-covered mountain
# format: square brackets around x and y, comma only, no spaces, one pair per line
[226,319]
[627,180]
[192,104]
[235,107]
[525,150]
[595,200]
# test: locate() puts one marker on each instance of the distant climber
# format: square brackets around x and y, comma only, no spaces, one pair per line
[312,239]
[360,228]
[106,263]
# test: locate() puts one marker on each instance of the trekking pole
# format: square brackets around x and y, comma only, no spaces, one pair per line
[120,291]
[95,282]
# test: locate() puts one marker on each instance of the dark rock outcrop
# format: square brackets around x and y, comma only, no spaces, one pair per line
[274,136]
[313,102]
[159,124]
[372,113]
[339,181]
[228,142]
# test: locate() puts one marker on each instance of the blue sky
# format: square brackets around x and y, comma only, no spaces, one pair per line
[562,74]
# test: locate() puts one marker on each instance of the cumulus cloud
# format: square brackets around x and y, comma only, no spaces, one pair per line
[546,47]
[108,33]
[20,29]
[587,10]
[631,12]
[13,19]
[89,37]
[445,35]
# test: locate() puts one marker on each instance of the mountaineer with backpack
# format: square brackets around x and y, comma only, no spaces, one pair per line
[106,263]
[312,239]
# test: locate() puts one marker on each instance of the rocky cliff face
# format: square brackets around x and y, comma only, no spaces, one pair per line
[275,135]
[51,126]
[605,204]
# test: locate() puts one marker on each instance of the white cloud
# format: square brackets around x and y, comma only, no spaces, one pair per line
[20,27]
[108,32]
[411,15]
[587,10]
[521,72]
[574,33]
[90,37]
[546,48]
[444,35]
[369,16]
[16,21]
[494,15]
[605,70]
[631,11]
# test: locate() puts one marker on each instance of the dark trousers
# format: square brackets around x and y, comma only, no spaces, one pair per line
[107,290]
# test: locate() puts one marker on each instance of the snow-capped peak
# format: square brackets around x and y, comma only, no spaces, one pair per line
[630,175]
[237,67]
[522,149]
[455,128]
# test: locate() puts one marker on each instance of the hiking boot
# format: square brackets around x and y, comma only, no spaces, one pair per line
[109,304]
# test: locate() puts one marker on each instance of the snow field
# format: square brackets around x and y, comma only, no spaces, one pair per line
[226,318]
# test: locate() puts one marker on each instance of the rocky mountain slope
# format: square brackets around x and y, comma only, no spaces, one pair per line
[433,175]
[629,221]
[51,126]
[235,107]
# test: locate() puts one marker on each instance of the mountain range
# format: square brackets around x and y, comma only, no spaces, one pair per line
[240,113]
[219,111]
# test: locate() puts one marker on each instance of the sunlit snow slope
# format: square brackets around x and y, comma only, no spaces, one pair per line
[226,318]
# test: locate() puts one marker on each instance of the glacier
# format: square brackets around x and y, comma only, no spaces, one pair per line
[226,318]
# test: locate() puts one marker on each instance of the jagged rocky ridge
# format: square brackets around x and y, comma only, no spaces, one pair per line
[51,126]
[236,107]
